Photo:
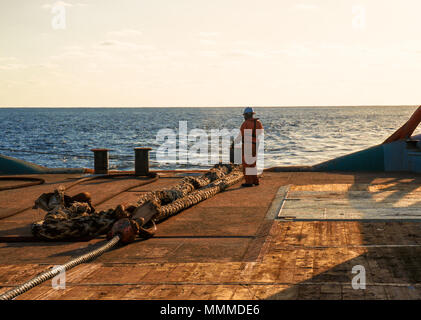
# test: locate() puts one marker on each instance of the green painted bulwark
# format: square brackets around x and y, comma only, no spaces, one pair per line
[9,165]
[12,166]
[371,159]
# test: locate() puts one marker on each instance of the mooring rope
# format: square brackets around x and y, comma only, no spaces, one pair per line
[49,274]
[188,193]
[198,196]
[33,182]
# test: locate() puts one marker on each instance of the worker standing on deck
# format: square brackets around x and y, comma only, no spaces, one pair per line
[249,135]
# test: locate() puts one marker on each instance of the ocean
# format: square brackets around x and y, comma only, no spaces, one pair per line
[63,137]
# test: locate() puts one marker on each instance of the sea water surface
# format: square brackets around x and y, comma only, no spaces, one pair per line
[63,137]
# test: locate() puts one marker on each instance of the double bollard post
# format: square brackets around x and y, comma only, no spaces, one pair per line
[141,163]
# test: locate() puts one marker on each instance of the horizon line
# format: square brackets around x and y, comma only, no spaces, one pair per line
[240,106]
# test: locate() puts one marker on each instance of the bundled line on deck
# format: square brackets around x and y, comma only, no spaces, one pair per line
[51,273]
[77,217]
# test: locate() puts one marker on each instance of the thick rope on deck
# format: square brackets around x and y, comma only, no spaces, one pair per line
[163,212]
[75,216]
[189,184]
[69,218]
[51,273]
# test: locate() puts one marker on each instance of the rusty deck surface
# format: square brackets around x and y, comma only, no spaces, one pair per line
[231,246]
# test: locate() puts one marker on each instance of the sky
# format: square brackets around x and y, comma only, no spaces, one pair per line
[164,53]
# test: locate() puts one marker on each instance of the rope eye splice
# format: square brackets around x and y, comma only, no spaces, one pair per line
[73,218]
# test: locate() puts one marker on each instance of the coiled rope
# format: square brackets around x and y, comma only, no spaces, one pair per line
[49,274]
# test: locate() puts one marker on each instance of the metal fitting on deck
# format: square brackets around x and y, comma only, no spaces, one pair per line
[100,160]
[141,162]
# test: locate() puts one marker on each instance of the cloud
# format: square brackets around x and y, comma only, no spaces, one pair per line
[208,34]
[11,63]
[7,59]
[126,45]
[208,53]
[304,6]
[125,33]
[208,38]
[208,42]
[14,64]
[248,53]
[72,52]
[243,43]
[108,43]
[63,4]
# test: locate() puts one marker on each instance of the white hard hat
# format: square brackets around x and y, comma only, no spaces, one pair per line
[248,110]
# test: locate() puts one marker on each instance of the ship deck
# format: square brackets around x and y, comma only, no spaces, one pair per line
[296,236]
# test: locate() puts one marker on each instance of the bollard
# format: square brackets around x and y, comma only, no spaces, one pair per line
[100,160]
[141,161]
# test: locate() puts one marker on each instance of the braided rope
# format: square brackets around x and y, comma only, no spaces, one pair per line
[197,196]
[49,274]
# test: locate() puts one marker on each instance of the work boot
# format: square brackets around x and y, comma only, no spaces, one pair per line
[247,185]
